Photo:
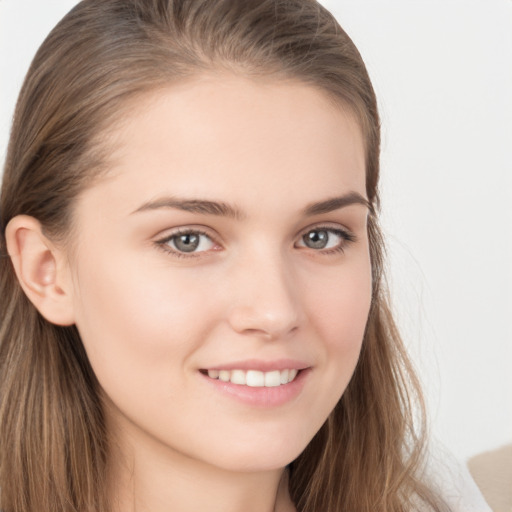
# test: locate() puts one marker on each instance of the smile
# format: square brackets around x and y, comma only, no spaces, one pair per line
[255,378]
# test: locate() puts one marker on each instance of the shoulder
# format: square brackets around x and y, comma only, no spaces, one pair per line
[454,482]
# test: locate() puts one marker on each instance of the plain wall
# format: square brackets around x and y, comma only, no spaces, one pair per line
[442,70]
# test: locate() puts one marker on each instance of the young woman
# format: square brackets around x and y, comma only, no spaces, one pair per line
[193,311]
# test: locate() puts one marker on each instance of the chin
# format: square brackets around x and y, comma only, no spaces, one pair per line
[261,456]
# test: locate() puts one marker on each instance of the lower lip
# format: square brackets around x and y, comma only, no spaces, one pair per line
[261,396]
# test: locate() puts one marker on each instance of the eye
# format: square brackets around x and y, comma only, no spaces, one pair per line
[323,238]
[187,242]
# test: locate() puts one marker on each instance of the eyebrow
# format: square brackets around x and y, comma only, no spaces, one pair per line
[201,206]
[222,209]
[336,203]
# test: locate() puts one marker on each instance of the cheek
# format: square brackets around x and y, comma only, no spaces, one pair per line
[132,317]
[340,307]
[139,328]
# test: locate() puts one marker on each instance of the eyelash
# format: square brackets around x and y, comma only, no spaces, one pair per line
[163,243]
[345,235]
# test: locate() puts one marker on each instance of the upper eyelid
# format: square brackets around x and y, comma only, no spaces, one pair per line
[347,235]
[163,245]
[170,232]
[167,234]
[216,238]
[327,227]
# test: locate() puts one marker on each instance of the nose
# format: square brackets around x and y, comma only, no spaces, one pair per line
[265,300]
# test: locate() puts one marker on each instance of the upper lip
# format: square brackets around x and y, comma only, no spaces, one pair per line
[260,365]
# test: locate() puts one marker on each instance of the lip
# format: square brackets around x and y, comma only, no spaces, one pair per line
[260,397]
[260,365]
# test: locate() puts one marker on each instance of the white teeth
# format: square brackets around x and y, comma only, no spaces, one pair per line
[272,379]
[224,375]
[255,378]
[238,377]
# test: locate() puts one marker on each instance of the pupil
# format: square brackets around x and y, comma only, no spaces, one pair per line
[316,239]
[187,243]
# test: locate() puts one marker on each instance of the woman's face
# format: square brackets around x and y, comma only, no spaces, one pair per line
[221,271]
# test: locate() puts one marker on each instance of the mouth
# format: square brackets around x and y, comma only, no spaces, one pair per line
[254,378]
[259,384]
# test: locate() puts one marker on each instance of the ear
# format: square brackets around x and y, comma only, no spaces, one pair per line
[41,269]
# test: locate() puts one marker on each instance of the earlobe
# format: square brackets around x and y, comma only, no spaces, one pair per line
[41,270]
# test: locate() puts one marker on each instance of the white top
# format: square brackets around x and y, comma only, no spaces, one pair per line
[455,483]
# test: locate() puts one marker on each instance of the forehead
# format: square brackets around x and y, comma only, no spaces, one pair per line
[224,135]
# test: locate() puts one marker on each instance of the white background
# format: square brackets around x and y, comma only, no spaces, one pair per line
[443,74]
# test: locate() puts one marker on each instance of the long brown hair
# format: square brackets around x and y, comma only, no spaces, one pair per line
[54,448]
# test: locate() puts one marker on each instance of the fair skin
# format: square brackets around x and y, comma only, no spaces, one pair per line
[209,263]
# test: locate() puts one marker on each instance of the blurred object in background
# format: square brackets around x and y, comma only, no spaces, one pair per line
[492,472]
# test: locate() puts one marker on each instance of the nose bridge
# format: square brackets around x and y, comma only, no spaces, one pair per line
[265,300]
